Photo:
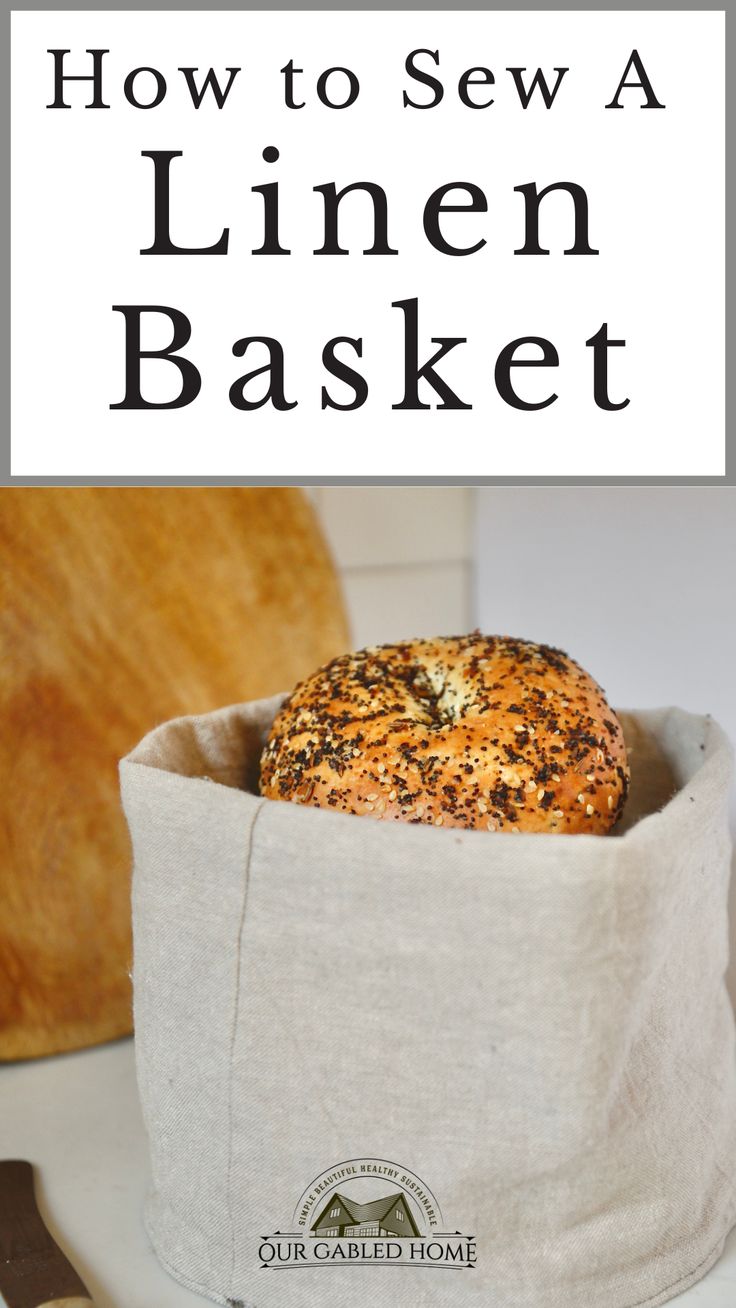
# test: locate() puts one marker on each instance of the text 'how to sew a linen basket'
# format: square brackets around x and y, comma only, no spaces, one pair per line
[519,1047]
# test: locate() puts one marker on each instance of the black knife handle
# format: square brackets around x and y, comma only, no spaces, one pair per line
[34,1273]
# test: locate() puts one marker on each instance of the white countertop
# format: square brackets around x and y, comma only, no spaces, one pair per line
[76,1118]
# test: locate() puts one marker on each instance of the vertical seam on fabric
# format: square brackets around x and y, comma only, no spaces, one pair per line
[233,1036]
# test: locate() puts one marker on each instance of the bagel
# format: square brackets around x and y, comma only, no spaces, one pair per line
[475,731]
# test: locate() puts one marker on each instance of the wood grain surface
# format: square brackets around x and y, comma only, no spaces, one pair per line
[122,607]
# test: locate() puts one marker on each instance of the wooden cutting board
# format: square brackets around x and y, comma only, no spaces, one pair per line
[122,607]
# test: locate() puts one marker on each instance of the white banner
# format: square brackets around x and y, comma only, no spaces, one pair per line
[202,218]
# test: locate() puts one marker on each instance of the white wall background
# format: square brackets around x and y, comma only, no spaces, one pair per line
[637,583]
[404,557]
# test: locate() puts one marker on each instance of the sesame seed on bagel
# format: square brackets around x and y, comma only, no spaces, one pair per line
[473,731]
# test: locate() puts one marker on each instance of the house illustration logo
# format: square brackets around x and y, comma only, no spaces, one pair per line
[390,1216]
[367,1210]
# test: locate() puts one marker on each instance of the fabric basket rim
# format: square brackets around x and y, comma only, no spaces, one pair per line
[715,744]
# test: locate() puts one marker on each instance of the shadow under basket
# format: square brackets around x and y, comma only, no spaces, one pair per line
[520,1047]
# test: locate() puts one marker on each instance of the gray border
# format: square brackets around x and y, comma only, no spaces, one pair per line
[6,7]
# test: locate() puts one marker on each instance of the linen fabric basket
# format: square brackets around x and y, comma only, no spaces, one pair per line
[520,1047]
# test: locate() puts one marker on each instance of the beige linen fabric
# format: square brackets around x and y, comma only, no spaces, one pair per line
[536,1025]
